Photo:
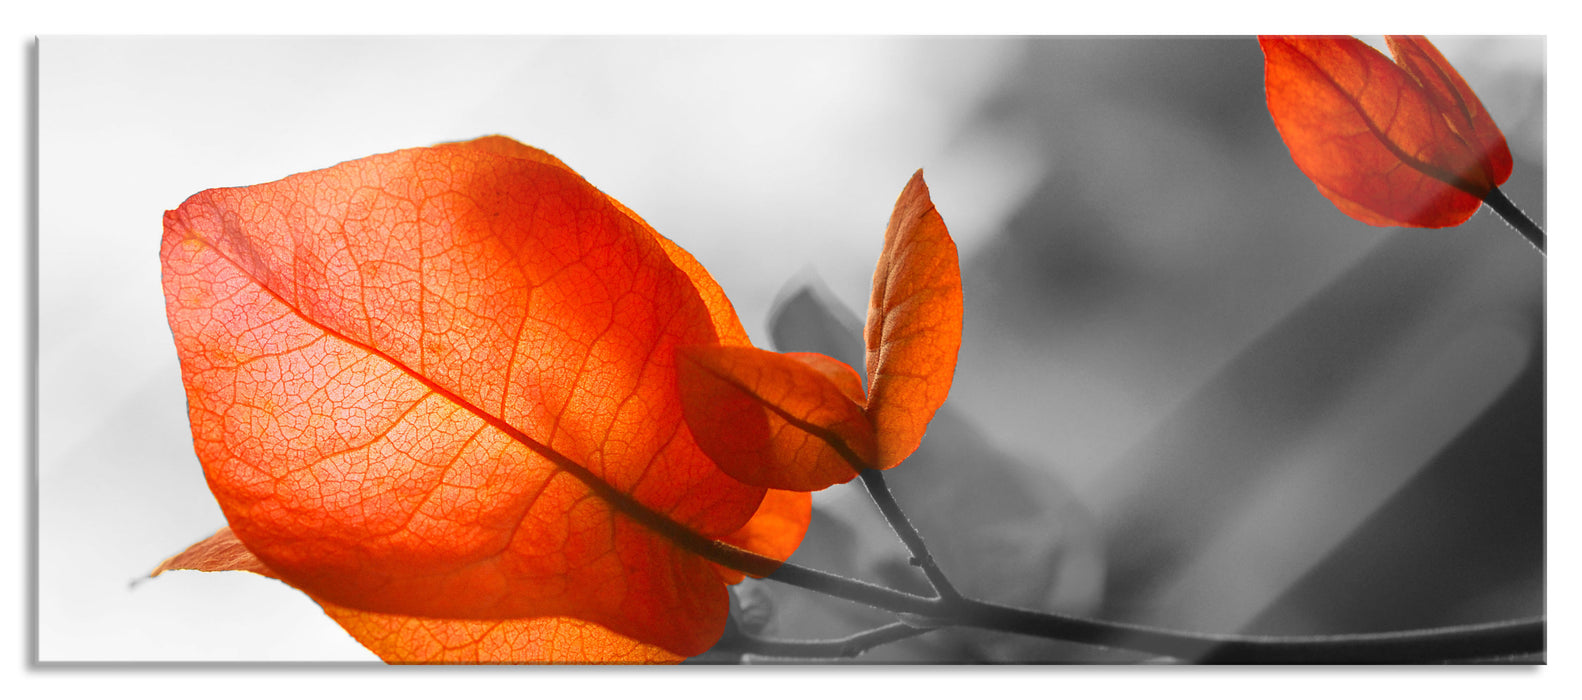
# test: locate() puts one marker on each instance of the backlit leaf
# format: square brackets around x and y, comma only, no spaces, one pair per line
[775,420]
[1458,104]
[220,552]
[839,373]
[440,383]
[914,324]
[1389,144]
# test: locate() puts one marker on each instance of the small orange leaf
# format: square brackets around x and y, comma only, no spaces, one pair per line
[774,420]
[1389,144]
[440,383]
[841,374]
[221,551]
[914,324]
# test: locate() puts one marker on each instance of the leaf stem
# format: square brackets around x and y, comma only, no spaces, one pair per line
[1516,219]
[873,479]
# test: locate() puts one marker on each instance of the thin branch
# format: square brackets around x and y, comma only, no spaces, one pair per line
[1507,638]
[1467,642]
[874,480]
[842,648]
[1514,217]
[855,591]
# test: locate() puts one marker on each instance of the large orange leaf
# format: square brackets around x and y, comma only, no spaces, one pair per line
[440,383]
[800,421]
[777,527]
[914,324]
[1390,144]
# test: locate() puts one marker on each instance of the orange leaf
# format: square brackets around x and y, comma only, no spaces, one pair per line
[914,324]
[440,383]
[841,374]
[1388,144]
[398,639]
[1469,122]
[220,552]
[774,420]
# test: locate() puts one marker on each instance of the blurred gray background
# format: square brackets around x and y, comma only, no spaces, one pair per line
[1191,392]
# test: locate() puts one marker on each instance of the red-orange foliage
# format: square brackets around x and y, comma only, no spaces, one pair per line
[768,418]
[800,421]
[435,389]
[1391,144]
